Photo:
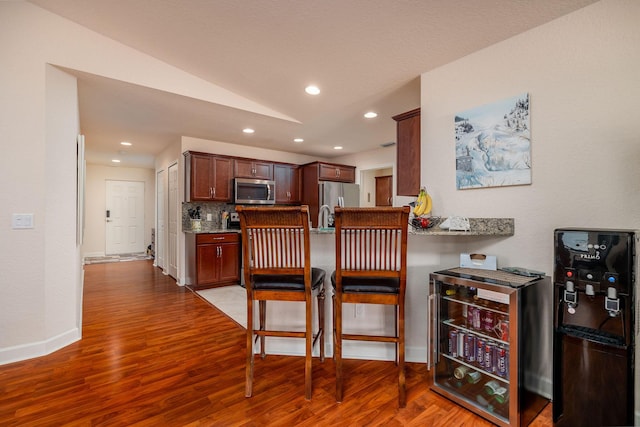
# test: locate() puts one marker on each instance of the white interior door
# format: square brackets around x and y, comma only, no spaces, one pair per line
[161,228]
[125,217]
[174,210]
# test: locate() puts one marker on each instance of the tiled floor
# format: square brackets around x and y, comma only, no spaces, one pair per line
[231,300]
[117,258]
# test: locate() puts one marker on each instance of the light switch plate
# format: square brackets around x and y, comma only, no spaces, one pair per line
[20,221]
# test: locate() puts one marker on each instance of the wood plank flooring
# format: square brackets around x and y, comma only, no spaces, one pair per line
[156,354]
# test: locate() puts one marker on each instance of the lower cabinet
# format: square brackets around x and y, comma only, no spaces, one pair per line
[213,259]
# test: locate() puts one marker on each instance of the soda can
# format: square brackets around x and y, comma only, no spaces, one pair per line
[489,359]
[470,348]
[488,321]
[453,343]
[460,372]
[474,377]
[480,352]
[501,361]
[504,329]
[461,336]
[477,318]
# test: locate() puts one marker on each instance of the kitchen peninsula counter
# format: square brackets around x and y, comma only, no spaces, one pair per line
[428,250]
[478,227]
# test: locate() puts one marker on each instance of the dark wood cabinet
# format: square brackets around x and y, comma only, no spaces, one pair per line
[249,168]
[311,175]
[408,153]
[384,190]
[332,172]
[213,259]
[208,177]
[287,183]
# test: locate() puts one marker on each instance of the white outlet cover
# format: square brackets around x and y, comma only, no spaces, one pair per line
[21,221]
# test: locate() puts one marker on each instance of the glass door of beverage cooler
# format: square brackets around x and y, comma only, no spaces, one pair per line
[473,349]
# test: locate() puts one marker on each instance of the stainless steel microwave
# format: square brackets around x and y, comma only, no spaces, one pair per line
[249,191]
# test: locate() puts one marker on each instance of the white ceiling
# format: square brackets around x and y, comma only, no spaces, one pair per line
[364,54]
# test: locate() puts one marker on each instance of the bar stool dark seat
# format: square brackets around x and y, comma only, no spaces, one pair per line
[371,268]
[277,267]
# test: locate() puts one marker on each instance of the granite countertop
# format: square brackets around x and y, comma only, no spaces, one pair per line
[479,227]
[211,230]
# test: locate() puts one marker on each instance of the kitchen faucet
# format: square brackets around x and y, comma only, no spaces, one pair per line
[323,220]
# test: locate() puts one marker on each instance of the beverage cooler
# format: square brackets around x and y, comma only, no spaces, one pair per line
[489,330]
[595,327]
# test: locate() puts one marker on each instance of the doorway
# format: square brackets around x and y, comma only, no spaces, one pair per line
[368,195]
[124,217]
[161,221]
[174,209]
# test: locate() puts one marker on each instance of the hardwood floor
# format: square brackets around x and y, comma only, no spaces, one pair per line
[156,354]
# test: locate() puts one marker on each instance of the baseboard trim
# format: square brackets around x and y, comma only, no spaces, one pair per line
[42,348]
[93,254]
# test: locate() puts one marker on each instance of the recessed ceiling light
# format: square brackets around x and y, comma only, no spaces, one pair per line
[312,90]
[125,143]
[298,140]
[337,147]
[248,130]
[115,161]
[371,115]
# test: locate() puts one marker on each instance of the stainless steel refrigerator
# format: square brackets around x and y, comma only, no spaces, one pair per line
[335,194]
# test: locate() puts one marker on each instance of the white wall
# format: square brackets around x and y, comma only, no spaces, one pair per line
[41,278]
[581,72]
[41,281]
[97,175]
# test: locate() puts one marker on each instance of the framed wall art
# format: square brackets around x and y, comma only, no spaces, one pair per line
[493,144]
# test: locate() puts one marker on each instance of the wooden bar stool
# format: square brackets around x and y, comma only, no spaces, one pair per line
[277,267]
[371,268]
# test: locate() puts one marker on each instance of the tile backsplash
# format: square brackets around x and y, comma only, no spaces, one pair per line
[213,208]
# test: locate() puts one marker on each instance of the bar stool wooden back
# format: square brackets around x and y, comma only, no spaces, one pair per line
[371,268]
[277,267]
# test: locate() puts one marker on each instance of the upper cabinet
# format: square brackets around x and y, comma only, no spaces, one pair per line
[287,183]
[408,153]
[332,172]
[208,177]
[249,168]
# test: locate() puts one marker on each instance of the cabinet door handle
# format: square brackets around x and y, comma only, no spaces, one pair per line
[214,191]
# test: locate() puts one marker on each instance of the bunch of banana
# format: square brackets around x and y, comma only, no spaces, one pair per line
[423,204]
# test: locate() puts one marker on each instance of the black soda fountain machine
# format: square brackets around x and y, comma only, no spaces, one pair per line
[595,327]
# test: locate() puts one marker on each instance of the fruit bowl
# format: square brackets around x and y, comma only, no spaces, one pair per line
[421,223]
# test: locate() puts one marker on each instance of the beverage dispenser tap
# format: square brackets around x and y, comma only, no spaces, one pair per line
[611,301]
[570,296]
